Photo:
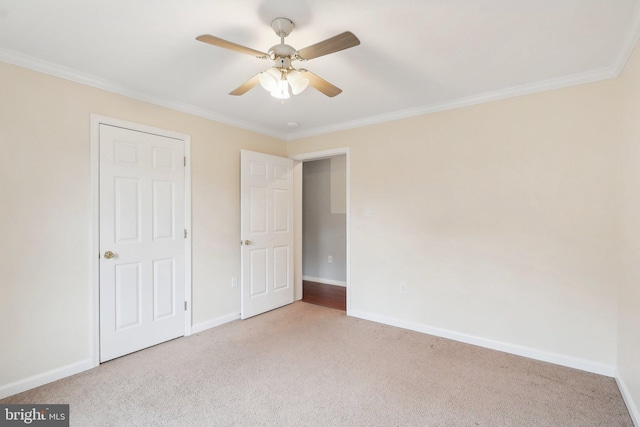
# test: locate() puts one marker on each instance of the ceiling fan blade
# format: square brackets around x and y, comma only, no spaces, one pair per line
[334,44]
[321,84]
[246,86]
[217,41]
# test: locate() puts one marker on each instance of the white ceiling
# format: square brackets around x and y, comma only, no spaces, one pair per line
[415,56]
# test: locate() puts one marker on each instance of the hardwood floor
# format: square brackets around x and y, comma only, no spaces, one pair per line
[325,295]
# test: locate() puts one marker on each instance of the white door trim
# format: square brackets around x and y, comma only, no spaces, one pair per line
[94,226]
[297,198]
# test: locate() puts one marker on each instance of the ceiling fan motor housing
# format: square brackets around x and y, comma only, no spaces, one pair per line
[281,54]
[281,50]
[282,63]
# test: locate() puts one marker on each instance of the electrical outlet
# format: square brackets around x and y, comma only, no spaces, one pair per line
[330,259]
[403,287]
[234,282]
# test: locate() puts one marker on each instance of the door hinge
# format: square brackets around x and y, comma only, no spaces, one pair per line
[185,306]
[185,161]
[185,233]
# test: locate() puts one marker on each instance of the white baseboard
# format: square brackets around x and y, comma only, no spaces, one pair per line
[25,384]
[626,396]
[214,322]
[558,359]
[325,281]
[19,386]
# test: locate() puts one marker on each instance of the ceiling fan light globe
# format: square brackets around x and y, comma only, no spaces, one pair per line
[276,73]
[268,82]
[280,94]
[293,76]
[299,86]
[281,91]
[297,82]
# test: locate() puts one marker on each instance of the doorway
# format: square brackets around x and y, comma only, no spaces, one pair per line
[322,258]
[324,232]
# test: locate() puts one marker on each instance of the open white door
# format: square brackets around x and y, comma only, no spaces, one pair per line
[142,240]
[267,232]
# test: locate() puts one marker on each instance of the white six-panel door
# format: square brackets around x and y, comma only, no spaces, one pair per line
[142,201]
[266,232]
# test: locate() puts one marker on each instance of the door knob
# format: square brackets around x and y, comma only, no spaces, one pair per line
[245,242]
[109,255]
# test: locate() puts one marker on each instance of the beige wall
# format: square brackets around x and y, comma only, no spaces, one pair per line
[629,295]
[499,218]
[45,214]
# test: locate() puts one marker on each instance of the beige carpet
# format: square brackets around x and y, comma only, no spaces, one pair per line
[308,365]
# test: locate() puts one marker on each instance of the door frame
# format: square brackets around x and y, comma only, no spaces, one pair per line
[94,290]
[299,159]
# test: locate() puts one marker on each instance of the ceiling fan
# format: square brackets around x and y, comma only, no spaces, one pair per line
[282,76]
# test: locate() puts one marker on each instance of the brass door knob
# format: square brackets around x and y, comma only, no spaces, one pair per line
[109,255]
[245,242]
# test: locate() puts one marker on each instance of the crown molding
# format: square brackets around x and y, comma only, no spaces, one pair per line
[558,83]
[629,43]
[614,71]
[46,67]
